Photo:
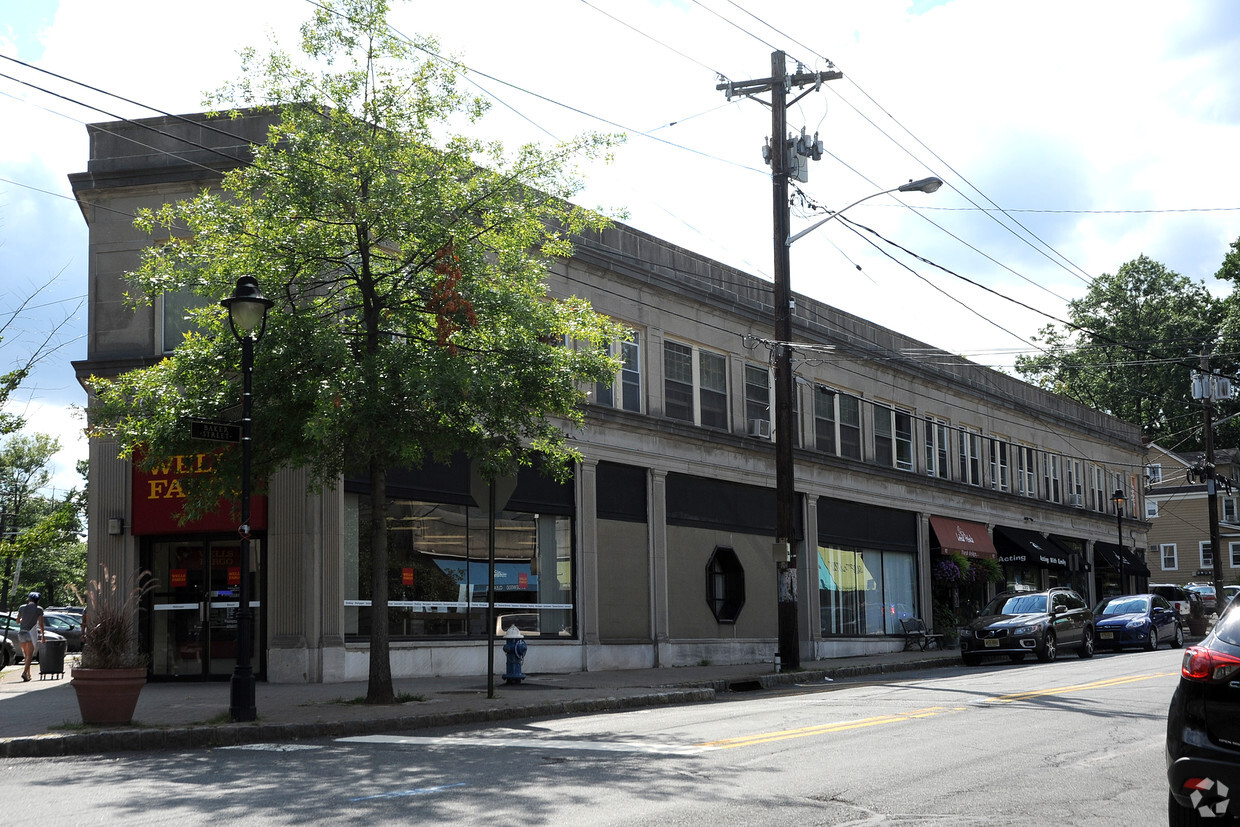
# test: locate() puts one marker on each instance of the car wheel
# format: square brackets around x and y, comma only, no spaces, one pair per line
[1016,657]
[971,660]
[1177,642]
[1086,649]
[1047,652]
[1152,643]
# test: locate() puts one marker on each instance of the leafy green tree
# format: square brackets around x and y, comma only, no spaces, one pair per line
[1129,349]
[407,264]
[31,524]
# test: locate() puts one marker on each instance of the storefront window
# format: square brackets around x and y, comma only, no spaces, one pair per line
[438,572]
[865,592]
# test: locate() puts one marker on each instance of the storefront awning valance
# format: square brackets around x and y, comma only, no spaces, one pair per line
[962,537]
[1020,545]
[1109,554]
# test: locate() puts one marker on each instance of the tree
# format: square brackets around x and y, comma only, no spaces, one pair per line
[1129,349]
[31,524]
[49,343]
[411,321]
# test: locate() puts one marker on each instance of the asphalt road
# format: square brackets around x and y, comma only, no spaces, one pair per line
[1070,743]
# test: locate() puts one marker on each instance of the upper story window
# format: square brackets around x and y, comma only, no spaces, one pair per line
[1170,560]
[969,449]
[1153,473]
[837,423]
[1050,477]
[1151,509]
[936,446]
[1207,554]
[1026,472]
[1000,468]
[695,385]
[1229,509]
[625,392]
[893,437]
[175,317]
[1097,485]
[759,413]
[1076,482]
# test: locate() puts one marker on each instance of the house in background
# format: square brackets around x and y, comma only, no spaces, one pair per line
[1177,510]
[659,551]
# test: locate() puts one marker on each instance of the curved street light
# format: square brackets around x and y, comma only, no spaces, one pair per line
[926,185]
[247,316]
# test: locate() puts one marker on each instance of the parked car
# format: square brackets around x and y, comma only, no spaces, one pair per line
[1203,728]
[1137,620]
[68,610]
[68,626]
[1177,596]
[11,626]
[1229,594]
[1206,591]
[1017,623]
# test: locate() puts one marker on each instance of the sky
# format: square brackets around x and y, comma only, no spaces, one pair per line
[1072,137]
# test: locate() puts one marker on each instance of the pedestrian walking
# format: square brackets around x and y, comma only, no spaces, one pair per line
[30,630]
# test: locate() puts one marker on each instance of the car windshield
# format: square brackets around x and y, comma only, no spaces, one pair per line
[1017,604]
[1123,606]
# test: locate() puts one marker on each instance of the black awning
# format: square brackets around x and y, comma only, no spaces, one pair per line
[1109,554]
[1020,545]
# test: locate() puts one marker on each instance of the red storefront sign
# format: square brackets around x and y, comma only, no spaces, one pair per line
[406,577]
[158,496]
[177,578]
[523,580]
[234,575]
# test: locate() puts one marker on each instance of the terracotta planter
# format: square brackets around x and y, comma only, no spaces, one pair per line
[108,696]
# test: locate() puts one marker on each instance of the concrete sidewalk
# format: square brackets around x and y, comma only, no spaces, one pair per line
[41,717]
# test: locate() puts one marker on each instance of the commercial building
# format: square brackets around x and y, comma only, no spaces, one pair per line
[659,551]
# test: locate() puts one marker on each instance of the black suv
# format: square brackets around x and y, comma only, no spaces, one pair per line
[1016,623]
[1203,727]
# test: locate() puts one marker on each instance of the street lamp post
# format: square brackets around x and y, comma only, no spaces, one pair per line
[785,482]
[247,316]
[1118,499]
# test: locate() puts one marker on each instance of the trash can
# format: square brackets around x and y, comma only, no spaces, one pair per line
[52,658]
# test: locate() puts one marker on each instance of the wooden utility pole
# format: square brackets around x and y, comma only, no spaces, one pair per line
[781,149]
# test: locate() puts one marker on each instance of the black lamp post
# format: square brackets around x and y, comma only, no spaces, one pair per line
[247,316]
[1118,499]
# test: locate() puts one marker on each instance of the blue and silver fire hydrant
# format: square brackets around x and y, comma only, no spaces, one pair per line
[514,648]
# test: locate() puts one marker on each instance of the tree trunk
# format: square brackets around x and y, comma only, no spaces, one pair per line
[379,690]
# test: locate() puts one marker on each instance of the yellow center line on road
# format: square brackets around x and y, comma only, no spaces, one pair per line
[928,712]
[1063,690]
[839,726]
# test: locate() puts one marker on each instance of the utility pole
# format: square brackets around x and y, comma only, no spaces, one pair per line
[1210,390]
[781,148]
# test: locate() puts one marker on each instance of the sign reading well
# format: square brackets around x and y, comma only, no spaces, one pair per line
[158,496]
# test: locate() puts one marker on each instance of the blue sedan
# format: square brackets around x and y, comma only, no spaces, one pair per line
[1137,620]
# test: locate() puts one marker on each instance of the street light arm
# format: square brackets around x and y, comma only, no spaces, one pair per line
[923,185]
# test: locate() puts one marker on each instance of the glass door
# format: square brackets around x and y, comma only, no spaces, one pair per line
[195,607]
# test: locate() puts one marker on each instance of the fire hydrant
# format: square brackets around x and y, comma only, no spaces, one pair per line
[514,648]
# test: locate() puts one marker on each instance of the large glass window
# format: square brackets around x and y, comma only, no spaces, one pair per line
[970,452]
[438,571]
[837,422]
[936,448]
[704,402]
[1000,472]
[759,415]
[893,437]
[865,592]
[1026,472]
[628,381]
[175,317]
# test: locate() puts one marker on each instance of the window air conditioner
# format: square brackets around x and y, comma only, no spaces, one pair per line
[1076,499]
[760,428]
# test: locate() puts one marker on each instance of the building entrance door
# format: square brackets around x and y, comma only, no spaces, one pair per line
[195,604]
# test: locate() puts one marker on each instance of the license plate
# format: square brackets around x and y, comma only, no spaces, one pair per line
[1106,635]
[992,643]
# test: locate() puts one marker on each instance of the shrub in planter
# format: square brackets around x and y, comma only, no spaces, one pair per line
[111,672]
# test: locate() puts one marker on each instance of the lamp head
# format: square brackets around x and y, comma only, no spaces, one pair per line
[1118,498]
[930,184]
[247,308]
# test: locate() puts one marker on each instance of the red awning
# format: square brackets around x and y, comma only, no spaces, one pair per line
[963,537]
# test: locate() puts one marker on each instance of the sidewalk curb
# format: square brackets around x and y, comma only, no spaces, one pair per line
[132,739]
[227,735]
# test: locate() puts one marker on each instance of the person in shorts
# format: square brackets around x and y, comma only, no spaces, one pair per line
[30,630]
